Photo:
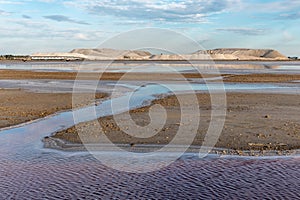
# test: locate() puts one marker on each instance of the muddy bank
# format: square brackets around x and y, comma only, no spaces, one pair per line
[261,78]
[254,122]
[22,74]
[19,106]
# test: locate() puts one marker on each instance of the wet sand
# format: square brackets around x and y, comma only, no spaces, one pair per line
[21,75]
[261,78]
[19,106]
[262,122]
[253,121]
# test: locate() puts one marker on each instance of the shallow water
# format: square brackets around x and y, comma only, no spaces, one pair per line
[67,86]
[82,177]
[28,171]
[158,67]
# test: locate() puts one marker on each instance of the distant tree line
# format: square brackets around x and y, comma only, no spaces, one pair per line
[293,58]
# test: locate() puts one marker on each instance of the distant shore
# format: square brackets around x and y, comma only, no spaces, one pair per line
[122,55]
[151,61]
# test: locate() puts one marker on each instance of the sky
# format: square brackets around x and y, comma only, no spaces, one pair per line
[29,26]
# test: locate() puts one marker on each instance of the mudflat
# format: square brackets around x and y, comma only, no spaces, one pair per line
[261,78]
[253,122]
[19,106]
[248,78]
[23,75]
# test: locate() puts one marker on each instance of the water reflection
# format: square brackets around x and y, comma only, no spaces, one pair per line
[149,67]
[28,171]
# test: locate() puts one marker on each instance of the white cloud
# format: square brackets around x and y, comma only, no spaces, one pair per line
[10,2]
[47,1]
[271,7]
[170,6]
[81,36]
[195,11]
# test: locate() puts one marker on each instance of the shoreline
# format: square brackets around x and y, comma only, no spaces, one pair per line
[63,145]
[149,61]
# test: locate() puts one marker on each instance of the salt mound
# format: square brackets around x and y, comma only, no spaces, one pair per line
[243,54]
[105,53]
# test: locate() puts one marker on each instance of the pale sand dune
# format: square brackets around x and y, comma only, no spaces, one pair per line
[228,54]
[244,54]
[112,54]
[57,54]
[216,54]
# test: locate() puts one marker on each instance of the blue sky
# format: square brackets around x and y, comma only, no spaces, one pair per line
[29,26]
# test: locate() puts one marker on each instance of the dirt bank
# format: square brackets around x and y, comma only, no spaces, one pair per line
[18,106]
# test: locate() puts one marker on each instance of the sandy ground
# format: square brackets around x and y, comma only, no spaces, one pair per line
[19,106]
[253,122]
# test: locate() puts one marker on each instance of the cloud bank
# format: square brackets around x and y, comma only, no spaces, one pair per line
[163,10]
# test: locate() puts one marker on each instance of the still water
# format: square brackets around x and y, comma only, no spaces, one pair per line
[158,67]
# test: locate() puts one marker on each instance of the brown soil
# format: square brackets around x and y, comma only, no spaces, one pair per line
[18,106]
[262,78]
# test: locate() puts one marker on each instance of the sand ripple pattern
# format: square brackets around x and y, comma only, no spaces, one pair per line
[83,177]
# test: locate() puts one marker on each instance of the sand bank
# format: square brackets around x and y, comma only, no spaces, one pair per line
[254,122]
[19,106]
[247,78]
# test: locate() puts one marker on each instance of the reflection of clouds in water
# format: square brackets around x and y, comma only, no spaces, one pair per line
[146,67]
[248,66]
